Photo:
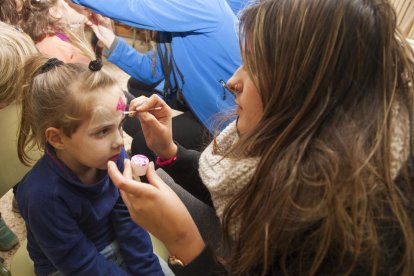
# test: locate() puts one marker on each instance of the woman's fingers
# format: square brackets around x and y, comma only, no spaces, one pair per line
[126,199]
[127,169]
[133,105]
[126,184]
[153,177]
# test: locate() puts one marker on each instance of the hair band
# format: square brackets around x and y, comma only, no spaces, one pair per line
[50,63]
[95,65]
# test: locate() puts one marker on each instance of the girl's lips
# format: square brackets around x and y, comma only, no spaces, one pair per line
[114,158]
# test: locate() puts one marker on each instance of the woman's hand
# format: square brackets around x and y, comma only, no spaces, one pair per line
[158,209]
[156,125]
[102,27]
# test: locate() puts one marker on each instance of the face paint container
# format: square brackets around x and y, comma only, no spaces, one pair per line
[139,165]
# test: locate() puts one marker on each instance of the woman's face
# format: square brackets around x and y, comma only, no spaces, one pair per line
[249,103]
[68,14]
[19,5]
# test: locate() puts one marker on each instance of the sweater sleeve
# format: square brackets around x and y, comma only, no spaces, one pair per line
[134,242]
[163,15]
[184,171]
[57,233]
[204,264]
[134,63]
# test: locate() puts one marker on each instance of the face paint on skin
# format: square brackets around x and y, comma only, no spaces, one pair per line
[121,106]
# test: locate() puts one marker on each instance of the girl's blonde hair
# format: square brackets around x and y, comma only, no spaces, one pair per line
[40,24]
[15,47]
[331,194]
[56,95]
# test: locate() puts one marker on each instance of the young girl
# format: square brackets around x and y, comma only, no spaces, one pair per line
[77,223]
[57,30]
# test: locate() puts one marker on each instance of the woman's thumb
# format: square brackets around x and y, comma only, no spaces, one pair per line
[152,176]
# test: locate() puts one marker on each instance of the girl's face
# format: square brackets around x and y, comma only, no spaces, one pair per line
[99,138]
[249,103]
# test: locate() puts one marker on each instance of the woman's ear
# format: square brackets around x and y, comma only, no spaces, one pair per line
[54,137]
[55,12]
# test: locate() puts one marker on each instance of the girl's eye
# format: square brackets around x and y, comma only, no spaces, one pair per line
[102,132]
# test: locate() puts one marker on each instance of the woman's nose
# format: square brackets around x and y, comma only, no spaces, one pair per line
[234,83]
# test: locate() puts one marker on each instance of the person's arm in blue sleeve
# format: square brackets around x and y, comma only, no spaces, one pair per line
[57,233]
[163,15]
[118,52]
[134,63]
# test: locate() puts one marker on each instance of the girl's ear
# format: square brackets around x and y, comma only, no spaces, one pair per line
[54,137]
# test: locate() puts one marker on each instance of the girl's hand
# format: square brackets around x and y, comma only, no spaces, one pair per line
[158,209]
[156,125]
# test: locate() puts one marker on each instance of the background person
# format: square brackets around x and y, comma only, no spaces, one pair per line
[57,30]
[15,47]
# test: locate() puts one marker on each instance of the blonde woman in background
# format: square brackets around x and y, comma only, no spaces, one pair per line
[15,46]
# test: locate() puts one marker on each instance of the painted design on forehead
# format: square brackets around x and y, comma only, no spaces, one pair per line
[121,106]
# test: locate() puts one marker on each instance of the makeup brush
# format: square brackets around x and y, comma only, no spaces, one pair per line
[149,109]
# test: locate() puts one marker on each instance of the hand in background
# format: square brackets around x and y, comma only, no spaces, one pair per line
[102,28]
[156,125]
[158,209]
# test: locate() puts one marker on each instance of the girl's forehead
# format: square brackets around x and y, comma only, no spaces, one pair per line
[107,106]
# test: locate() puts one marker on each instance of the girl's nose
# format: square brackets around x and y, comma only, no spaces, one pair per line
[119,139]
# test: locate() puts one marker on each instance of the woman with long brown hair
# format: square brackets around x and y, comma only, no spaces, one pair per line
[315,175]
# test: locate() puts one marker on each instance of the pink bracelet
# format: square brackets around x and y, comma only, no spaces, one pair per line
[167,162]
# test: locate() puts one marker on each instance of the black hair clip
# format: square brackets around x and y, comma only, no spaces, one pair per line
[95,65]
[50,63]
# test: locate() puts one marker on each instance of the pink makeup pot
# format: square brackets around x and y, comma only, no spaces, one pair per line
[139,165]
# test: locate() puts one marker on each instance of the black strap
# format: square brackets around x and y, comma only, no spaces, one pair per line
[169,66]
